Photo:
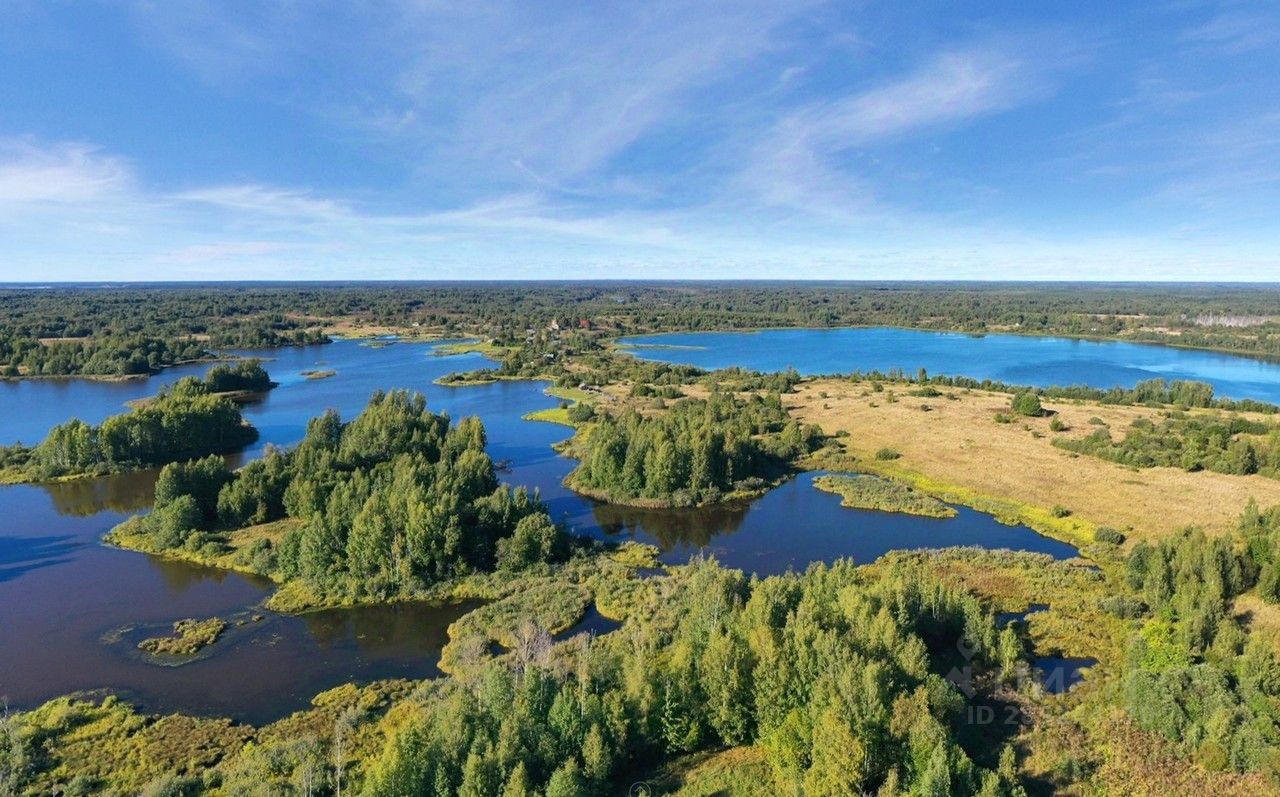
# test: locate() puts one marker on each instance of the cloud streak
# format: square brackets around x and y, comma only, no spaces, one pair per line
[68,172]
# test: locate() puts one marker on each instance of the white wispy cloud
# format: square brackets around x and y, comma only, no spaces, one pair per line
[219,251]
[492,92]
[1236,31]
[953,87]
[266,201]
[795,163]
[666,138]
[63,172]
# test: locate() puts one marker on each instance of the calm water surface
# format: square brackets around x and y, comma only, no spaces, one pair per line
[1016,359]
[71,609]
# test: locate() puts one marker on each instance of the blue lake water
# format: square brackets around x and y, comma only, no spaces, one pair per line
[1016,359]
[62,592]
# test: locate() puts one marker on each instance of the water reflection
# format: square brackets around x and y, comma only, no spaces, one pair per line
[671,528]
[118,492]
[795,524]
[1059,674]
[399,629]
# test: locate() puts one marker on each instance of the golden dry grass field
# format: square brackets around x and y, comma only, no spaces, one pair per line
[958,443]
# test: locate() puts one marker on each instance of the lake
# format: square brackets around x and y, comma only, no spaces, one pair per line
[1015,359]
[72,609]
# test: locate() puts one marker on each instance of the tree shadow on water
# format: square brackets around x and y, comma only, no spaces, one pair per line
[21,555]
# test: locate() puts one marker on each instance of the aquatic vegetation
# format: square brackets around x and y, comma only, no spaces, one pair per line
[189,637]
[883,495]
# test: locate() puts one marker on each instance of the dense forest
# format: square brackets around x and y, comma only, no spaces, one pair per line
[830,680]
[136,329]
[834,679]
[697,451]
[1195,675]
[184,420]
[390,503]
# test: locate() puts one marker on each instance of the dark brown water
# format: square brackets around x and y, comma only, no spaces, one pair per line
[72,610]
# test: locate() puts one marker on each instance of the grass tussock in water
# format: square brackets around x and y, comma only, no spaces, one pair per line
[190,636]
[882,495]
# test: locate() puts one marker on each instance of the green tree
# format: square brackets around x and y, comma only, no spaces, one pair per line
[567,781]
[838,758]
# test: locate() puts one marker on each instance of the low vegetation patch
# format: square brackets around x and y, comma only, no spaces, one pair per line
[189,638]
[883,495]
[489,348]
[957,454]
[519,623]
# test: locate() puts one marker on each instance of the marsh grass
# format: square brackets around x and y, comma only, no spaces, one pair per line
[189,637]
[882,495]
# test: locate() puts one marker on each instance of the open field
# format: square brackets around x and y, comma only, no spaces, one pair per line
[958,446]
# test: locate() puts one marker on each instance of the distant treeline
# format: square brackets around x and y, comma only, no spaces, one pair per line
[1150,392]
[248,315]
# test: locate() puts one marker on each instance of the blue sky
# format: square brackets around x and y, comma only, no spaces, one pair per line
[435,140]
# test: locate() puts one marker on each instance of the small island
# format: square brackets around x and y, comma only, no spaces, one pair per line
[189,637]
[240,382]
[187,419]
[692,452]
[369,510]
[315,374]
[882,495]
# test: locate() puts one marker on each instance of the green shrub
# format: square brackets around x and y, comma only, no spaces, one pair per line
[1123,606]
[581,412]
[1028,404]
[886,454]
[1109,535]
